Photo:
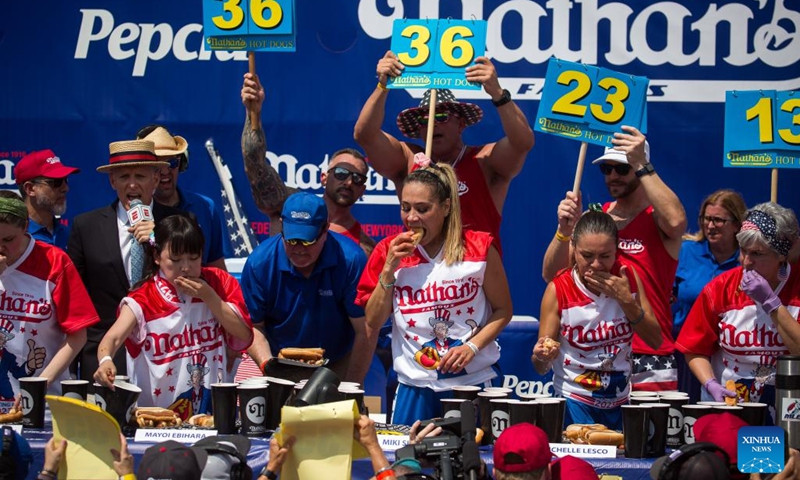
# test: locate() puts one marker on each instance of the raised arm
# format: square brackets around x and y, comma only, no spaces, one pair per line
[388,156]
[557,256]
[267,187]
[506,157]
[669,212]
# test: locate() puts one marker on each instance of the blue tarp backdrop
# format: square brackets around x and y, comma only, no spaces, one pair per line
[77,75]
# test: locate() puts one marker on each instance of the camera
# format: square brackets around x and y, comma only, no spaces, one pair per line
[454,453]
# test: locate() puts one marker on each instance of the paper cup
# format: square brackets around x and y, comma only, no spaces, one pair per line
[32,392]
[635,429]
[253,409]
[278,392]
[499,416]
[223,396]
[77,389]
[486,413]
[451,407]
[658,418]
[551,418]
[120,402]
[524,411]
[755,414]
[690,415]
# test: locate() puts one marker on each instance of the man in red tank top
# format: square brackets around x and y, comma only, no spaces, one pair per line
[484,172]
[651,222]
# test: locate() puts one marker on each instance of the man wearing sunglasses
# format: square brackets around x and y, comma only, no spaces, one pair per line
[300,289]
[175,151]
[651,222]
[484,171]
[42,182]
[344,181]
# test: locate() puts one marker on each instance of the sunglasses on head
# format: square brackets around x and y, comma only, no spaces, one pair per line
[341,174]
[53,183]
[440,117]
[622,169]
[296,241]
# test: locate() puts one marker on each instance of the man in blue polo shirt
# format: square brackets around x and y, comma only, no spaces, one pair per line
[300,288]
[175,151]
[42,182]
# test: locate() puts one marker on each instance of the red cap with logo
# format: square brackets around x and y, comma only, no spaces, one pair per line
[41,163]
[721,429]
[521,448]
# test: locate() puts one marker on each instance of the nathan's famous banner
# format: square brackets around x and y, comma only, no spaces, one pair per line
[78,75]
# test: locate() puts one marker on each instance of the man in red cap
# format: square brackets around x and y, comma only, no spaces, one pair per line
[522,449]
[42,182]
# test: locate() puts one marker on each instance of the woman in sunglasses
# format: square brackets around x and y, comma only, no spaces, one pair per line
[746,317]
[704,255]
[588,317]
[176,324]
[445,290]
[44,307]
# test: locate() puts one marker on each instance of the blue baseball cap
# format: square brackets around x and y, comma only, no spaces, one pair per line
[304,215]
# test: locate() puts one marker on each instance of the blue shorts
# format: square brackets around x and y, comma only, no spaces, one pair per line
[416,403]
[578,412]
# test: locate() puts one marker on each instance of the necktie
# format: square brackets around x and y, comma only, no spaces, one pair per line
[137,260]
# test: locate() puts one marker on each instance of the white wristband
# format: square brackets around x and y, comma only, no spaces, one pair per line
[107,357]
[472,347]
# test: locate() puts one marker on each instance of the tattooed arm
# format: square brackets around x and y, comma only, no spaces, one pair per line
[267,187]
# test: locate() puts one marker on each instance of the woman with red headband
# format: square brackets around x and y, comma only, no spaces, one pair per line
[746,317]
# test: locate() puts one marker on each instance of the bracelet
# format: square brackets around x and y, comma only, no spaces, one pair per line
[383,87]
[638,319]
[266,472]
[263,366]
[472,347]
[386,286]
[128,476]
[384,472]
[48,473]
[107,357]
[561,237]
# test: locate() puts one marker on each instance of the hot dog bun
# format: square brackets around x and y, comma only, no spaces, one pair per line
[605,437]
[593,433]
[417,234]
[201,420]
[302,354]
[156,417]
[13,415]
[731,385]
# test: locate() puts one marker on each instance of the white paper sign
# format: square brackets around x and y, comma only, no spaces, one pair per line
[583,451]
[390,443]
[156,435]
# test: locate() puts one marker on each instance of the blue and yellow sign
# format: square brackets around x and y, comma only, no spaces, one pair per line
[436,53]
[252,25]
[590,104]
[762,129]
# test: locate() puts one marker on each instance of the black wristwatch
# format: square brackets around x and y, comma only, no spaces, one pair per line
[265,472]
[504,98]
[647,169]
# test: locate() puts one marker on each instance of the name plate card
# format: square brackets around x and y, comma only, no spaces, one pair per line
[583,451]
[182,435]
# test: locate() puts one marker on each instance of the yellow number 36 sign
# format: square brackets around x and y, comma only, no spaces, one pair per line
[437,52]
[254,25]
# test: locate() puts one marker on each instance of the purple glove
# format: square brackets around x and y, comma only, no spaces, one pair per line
[757,288]
[717,391]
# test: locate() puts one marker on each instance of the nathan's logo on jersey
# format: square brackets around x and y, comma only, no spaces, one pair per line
[32,308]
[462,188]
[164,343]
[436,293]
[631,245]
[603,334]
[760,336]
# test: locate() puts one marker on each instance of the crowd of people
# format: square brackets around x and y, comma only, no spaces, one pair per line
[633,302]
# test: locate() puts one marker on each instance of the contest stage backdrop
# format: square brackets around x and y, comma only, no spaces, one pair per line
[77,75]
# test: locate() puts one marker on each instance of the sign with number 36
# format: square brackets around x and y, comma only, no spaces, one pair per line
[436,53]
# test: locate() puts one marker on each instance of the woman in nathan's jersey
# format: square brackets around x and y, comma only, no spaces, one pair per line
[177,323]
[445,290]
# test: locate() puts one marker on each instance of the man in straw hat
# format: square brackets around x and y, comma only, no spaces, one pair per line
[42,182]
[175,151]
[107,249]
[344,181]
[484,171]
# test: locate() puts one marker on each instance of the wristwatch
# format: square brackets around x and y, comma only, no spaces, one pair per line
[268,473]
[504,98]
[647,169]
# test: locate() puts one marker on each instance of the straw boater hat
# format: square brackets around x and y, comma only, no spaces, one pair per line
[408,119]
[131,153]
